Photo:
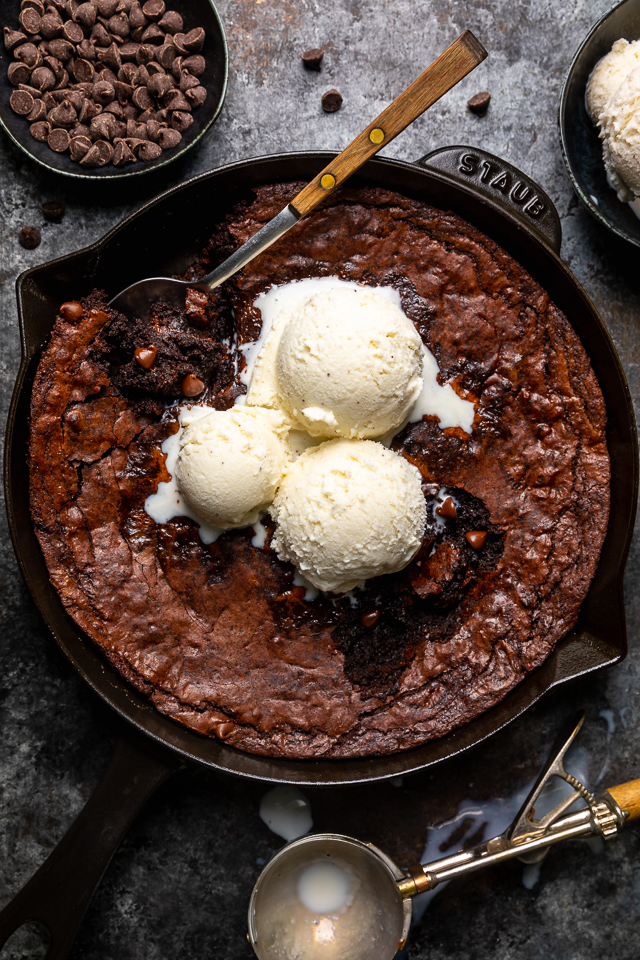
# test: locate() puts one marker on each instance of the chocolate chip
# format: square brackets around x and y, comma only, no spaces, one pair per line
[145,356]
[137,18]
[43,78]
[543,430]
[103,92]
[223,730]
[191,386]
[86,15]
[102,127]
[53,210]
[476,538]
[153,9]
[40,131]
[187,80]
[110,57]
[176,100]
[72,32]
[149,151]
[331,101]
[21,102]
[153,35]
[39,111]
[447,509]
[168,139]
[51,26]
[480,103]
[195,65]
[30,20]
[154,68]
[72,311]
[58,140]
[79,147]
[370,619]
[118,24]
[107,8]
[56,68]
[64,50]
[18,73]
[13,38]
[312,58]
[171,22]
[36,5]
[180,121]
[159,85]
[142,98]
[100,37]
[63,116]
[29,238]
[166,55]
[146,53]
[128,52]
[193,41]
[122,154]
[196,96]
[28,54]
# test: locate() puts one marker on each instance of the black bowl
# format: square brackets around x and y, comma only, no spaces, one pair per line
[581,147]
[196,13]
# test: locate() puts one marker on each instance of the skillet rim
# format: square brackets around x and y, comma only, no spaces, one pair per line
[574,656]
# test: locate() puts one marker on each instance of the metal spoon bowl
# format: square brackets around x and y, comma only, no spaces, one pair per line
[373,922]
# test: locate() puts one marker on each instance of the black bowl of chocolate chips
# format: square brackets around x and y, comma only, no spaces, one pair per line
[110,88]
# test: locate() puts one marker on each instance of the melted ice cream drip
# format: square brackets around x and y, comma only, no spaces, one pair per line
[168,502]
[287,812]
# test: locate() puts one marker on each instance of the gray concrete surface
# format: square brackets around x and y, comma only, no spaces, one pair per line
[178,887]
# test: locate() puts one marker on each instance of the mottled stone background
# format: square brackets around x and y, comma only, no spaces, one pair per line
[179,885]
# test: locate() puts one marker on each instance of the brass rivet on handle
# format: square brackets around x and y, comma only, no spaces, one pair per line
[328,182]
[376,135]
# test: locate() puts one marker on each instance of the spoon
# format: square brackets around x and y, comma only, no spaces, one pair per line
[328,896]
[456,62]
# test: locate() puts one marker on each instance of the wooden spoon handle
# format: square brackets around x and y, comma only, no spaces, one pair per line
[456,62]
[627,796]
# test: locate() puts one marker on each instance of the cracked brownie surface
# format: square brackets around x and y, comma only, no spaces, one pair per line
[218,636]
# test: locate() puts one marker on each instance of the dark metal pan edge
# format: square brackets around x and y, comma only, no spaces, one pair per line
[186,742]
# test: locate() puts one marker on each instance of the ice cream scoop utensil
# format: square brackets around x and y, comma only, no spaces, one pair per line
[456,62]
[382,892]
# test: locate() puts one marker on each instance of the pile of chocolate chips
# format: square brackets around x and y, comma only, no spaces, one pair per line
[111,81]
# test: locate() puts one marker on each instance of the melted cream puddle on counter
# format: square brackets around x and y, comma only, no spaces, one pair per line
[435,399]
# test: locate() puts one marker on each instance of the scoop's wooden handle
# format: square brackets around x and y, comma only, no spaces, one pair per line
[456,62]
[627,796]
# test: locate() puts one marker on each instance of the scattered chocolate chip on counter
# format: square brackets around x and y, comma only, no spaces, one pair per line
[312,58]
[53,211]
[29,238]
[479,104]
[109,81]
[331,101]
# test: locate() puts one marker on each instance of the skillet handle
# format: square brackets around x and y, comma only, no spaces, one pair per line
[502,184]
[59,892]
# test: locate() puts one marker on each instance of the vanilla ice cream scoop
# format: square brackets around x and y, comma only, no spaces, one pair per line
[608,74]
[348,364]
[348,510]
[230,463]
[620,130]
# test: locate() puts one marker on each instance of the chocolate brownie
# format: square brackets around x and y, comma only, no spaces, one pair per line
[218,636]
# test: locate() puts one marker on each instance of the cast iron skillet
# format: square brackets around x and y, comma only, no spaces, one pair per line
[507,206]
